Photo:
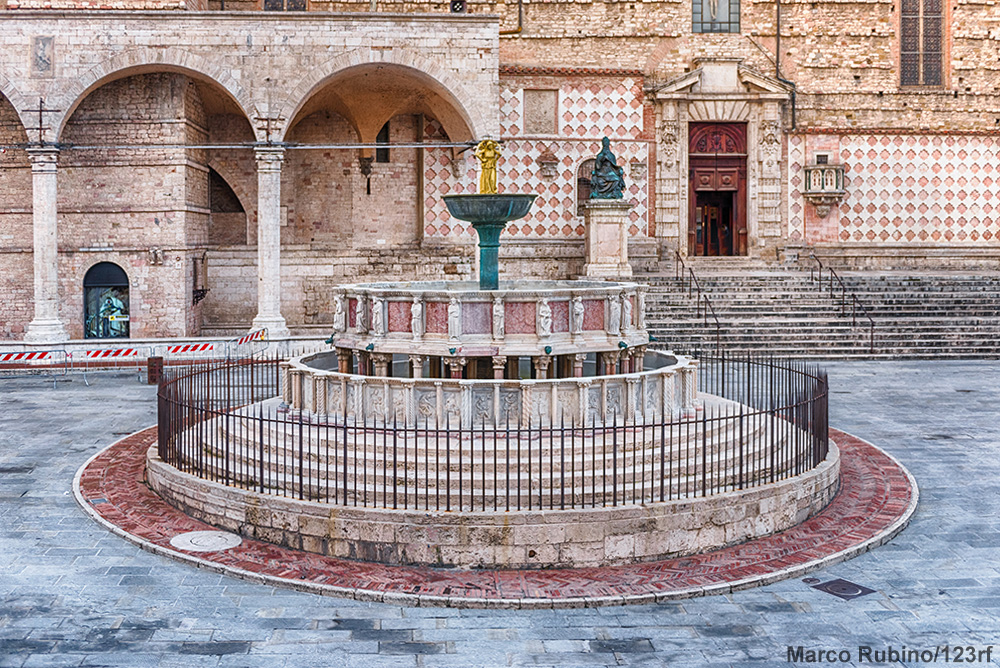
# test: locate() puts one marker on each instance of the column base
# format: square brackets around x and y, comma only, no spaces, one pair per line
[275,326]
[603,270]
[46,331]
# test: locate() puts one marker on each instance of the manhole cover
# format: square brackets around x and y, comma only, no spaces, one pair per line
[844,589]
[205,541]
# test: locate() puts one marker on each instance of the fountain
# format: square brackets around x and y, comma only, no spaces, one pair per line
[523,424]
[489,212]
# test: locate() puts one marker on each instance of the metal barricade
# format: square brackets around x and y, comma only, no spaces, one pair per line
[34,362]
[109,359]
[201,351]
[247,346]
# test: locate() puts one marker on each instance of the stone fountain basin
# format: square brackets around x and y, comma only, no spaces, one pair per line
[483,208]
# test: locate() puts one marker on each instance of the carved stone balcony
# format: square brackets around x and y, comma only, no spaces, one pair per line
[824,187]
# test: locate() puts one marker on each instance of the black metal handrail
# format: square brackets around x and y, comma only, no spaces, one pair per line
[816,273]
[770,424]
[685,273]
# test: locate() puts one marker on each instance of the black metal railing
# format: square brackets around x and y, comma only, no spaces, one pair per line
[703,304]
[847,298]
[766,420]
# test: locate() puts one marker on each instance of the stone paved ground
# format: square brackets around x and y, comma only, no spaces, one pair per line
[73,594]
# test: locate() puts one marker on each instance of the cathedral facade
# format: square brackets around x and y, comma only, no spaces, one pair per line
[176,168]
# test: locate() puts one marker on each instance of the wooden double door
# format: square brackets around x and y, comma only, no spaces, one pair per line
[717,160]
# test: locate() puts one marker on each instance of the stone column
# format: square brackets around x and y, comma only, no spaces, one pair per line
[606,222]
[638,359]
[381,362]
[456,364]
[45,327]
[319,395]
[285,370]
[344,360]
[499,365]
[578,360]
[610,361]
[269,161]
[417,365]
[542,367]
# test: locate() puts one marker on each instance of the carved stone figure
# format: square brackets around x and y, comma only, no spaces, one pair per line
[454,318]
[498,318]
[339,314]
[640,298]
[483,409]
[378,321]
[614,315]
[362,315]
[626,313]
[607,181]
[417,319]
[576,315]
[544,318]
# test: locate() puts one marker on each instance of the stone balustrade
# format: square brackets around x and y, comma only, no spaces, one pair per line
[457,318]
[661,393]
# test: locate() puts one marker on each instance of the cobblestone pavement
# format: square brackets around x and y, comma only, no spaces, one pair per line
[73,594]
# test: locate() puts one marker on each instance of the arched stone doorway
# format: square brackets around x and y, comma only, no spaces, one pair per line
[747,107]
[105,302]
[717,159]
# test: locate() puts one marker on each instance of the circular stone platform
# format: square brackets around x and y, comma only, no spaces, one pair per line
[875,502]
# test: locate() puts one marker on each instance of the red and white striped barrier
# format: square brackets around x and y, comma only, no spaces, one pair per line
[32,362]
[247,345]
[28,356]
[252,336]
[110,353]
[189,348]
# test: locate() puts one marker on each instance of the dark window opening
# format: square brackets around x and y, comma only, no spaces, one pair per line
[920,43]
[284,5]
[105,302]
[382,154]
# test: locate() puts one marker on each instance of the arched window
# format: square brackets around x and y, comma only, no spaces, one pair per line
[583,175]
[105,302]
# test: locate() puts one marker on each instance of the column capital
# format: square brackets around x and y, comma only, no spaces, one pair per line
[269,158]
[44,159]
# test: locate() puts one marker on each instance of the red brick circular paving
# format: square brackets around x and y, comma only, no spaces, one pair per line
[876,499]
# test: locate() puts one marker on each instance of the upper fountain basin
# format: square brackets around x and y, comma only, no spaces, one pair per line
[493,208]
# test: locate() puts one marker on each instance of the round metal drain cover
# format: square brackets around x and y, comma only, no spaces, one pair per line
[843,588]
[810,581]
[205,541]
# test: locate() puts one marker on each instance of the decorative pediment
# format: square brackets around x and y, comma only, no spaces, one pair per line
[681,84]
[757,82]
[722,77]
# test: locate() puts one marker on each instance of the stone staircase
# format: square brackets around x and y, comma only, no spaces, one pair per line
[787,313]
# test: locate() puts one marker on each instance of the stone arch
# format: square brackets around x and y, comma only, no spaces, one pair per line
[146,60]
[474,116]
[247,196]
[15,98]
[247,199]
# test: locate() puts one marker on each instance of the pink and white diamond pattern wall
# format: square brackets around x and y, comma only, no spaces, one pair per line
[586,113]
[912,189]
